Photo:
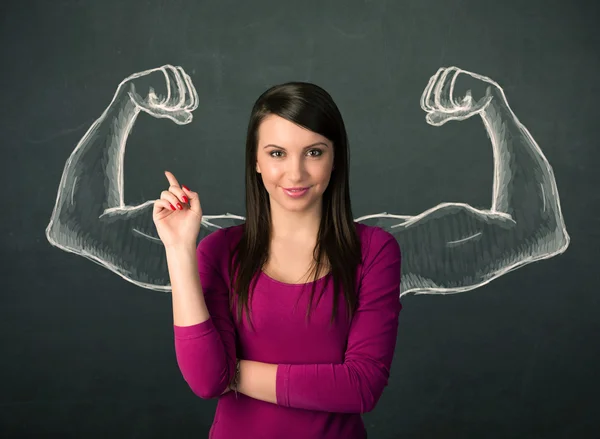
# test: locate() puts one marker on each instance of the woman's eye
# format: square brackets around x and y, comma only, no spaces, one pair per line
[312,152]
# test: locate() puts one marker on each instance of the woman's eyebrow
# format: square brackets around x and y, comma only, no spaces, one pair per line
[309,146]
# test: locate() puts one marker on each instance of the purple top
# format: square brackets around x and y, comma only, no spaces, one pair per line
[326,376]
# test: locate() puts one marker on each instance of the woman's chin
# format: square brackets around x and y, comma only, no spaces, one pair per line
[298,205]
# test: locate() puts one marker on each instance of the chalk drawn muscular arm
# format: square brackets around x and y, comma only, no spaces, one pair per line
[90,217]
[455,247]
[449,248]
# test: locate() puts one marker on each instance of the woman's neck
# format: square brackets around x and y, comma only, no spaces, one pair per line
[295,226]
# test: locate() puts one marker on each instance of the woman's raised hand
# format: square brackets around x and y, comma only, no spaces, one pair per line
[177,215]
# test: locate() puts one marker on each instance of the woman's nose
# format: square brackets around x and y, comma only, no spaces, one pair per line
[296,168]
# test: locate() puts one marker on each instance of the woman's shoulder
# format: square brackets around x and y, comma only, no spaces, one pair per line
[375,239]
[372,235]
[222,238]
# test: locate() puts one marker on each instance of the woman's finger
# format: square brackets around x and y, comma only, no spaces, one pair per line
[171,198]
[171,178]
[179,193]
[175,188]
[194,199]
[161,204]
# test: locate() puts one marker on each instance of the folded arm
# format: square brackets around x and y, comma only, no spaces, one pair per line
[356,385]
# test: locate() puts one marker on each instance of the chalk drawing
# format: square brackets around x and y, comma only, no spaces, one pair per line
[449,248]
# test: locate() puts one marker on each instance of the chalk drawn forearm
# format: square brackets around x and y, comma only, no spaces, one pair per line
[454,247]
[449,248]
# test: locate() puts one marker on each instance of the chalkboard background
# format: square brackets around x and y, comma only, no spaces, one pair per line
[87,354]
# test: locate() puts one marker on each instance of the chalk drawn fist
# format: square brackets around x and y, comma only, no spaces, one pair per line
[177,97]
[443,101]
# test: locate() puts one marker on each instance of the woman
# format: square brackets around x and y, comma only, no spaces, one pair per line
[300,366]
[448,248]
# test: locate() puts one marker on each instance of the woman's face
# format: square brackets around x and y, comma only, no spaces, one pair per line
[289,156]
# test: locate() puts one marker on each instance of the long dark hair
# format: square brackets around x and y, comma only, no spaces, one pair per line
[311,107]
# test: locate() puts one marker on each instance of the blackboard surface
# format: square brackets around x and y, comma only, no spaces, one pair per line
[495,344]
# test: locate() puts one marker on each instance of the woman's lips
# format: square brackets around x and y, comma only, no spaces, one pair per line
[295,192]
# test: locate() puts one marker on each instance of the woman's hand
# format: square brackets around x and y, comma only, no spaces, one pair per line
[177,215]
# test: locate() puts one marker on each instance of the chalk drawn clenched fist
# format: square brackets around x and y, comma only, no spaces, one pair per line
[523,223]
[177,100]
[442,101]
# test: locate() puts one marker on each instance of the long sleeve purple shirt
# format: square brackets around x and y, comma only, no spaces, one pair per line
[327,376]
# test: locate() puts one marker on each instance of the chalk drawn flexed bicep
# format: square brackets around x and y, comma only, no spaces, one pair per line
[455,247]
[90,217]
[449,248]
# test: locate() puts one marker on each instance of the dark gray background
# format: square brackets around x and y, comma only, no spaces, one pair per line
[87,354]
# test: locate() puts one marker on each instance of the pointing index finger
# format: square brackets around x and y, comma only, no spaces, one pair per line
[172,180]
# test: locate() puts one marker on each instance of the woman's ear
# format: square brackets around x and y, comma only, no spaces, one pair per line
[257,168]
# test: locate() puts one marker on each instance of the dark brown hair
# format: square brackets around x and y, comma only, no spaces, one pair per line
[311,107]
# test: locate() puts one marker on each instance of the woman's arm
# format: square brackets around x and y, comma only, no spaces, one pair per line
[189,306]
[205,345]
[356,385]
[258,380]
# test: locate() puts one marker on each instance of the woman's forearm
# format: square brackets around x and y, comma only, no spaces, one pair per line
[258,380]
[189,306]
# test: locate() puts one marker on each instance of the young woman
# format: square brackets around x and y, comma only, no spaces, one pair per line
[297,309]
[300,375]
